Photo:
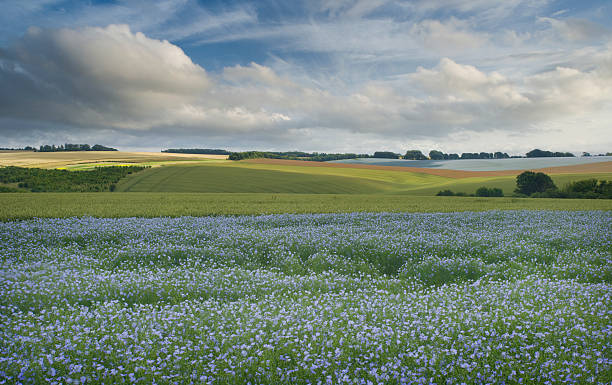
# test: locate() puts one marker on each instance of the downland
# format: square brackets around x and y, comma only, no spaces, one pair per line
[185,184]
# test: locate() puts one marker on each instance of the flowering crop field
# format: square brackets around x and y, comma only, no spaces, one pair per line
[492,297]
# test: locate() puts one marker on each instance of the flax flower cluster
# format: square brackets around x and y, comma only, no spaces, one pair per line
[517,297]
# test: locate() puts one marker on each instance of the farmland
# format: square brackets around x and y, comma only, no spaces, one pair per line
[284,177]
[79,160]
[210,271]
[493,297]
[14,206]
[192,173]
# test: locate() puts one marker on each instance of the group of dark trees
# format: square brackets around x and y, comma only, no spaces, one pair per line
[537,153]
[294,155]
[439,155]
[414,155]
[26,148]
[480,192]
[42,180]
[74,147]
[540,185]
[322,157]
[386,155]
[207,151]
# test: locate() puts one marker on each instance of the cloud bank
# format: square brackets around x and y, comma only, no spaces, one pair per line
[141,91]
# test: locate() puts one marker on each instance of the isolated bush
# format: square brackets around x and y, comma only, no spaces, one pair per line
[530,182]
[489,192]
[445,193]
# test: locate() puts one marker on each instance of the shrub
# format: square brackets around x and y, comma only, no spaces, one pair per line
[489,192]
[589,188]
[6,189]
[445,193]
[530,182]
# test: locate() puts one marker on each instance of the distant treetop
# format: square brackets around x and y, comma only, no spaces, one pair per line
[386,154]
[74,147]
[207,151]
[537,153]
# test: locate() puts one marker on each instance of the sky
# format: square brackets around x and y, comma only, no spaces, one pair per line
[319,75]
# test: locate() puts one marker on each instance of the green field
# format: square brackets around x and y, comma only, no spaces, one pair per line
[233,177]
[15,206]
[241,177]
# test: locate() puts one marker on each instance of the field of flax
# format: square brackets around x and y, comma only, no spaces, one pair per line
[499,297]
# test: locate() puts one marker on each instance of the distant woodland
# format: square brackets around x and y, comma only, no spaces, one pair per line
[205,151]
[295,155]
[62,148]
[74,147]
[409,155]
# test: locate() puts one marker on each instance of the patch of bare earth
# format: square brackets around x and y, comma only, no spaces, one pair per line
[599,167]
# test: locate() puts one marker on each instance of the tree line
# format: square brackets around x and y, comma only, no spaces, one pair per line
[62,148]
[294,155]
[73,147]
[409,155]
[537,153]
[439,155]
[43,180]
[206,151]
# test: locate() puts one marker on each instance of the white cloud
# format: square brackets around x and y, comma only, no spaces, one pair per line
[549,95]
[114,79]
[452,35]
[574,29]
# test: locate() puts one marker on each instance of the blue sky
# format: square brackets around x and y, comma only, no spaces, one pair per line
[336,75]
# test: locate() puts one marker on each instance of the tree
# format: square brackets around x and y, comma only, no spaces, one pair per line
[589,188]
[537,153]
[414,155]
[386,155]
[469,155]
[445,193]
[436,155]
[530,182]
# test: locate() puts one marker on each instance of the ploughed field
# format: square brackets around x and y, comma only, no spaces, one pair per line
[492,297]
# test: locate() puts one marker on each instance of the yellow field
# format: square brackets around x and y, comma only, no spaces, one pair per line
[88,159]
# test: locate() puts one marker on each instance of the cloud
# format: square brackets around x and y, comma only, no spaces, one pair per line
[114,80]
[574,29]
[112,77]
[459,83]
[452,35]
[463,95]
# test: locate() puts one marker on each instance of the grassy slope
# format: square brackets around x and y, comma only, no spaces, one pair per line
[29,205]
[244,177]
[241,177]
